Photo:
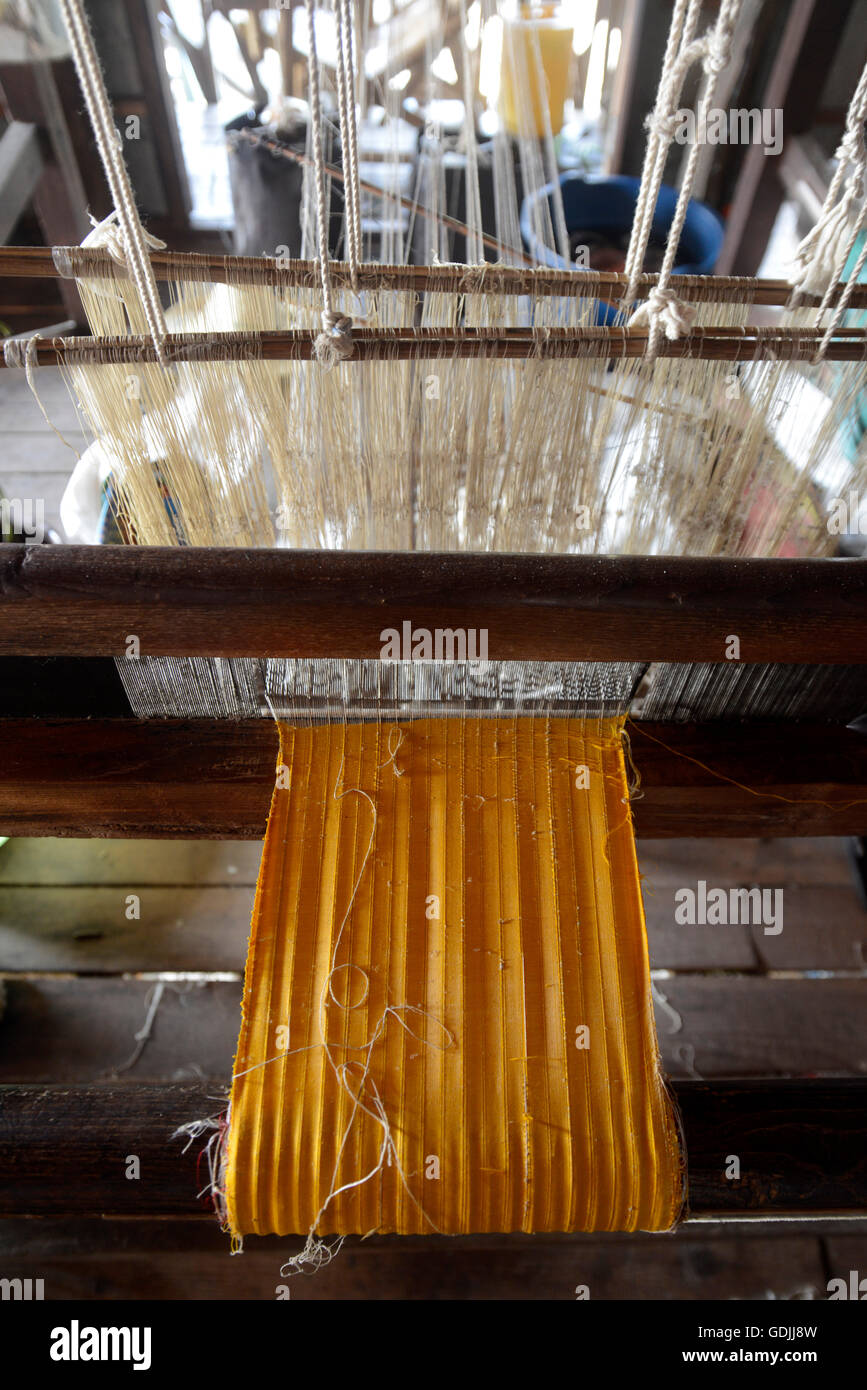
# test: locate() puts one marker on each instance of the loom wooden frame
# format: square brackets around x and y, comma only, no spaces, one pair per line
[807,1136]
[39,262]
[410,344]
[725,344]
[61,776]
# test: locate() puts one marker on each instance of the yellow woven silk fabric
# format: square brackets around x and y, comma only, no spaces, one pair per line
[448,989]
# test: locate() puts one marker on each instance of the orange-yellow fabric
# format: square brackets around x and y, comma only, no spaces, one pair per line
[493,947]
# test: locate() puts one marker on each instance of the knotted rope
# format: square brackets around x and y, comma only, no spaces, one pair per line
[822,256]
[334,343]
[663,310]
[131,241]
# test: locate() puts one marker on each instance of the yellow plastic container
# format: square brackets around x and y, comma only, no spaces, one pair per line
[534,72]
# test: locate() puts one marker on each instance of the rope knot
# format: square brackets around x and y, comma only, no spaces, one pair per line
[662,306]
[21,352]
[334,344]
[665,127]
[109,234]
[851,149]
[718,52]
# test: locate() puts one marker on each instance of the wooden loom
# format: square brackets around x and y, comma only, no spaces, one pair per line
[802,1141]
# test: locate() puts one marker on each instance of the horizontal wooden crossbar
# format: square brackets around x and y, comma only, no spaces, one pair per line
[196,601]
[41,262]
[213,779]
[802,1147]
[411,344]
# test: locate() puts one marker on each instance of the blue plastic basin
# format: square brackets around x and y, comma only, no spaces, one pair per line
[608,204]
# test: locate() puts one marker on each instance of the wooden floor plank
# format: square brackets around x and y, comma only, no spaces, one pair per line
[55,914]
[78,1029]
[805,860]
[89,929]
[741,1268]
[66,1030]
[43,862]
[757,1027]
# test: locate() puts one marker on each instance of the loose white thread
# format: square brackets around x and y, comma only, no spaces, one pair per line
[24,352]
[663,1002]
[393,752]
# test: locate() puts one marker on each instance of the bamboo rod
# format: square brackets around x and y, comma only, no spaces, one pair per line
[401,344]
[37,262]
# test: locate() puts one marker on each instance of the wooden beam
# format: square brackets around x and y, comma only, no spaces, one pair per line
[802,1147]
[213,779]
[196,601]
[212,267]
[431,345]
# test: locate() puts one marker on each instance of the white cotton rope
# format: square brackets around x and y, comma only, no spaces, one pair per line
[663,311]
[846,295]
[822,256]
[662,121]
[474,252]
[349,133]
[334,343]
[135,245]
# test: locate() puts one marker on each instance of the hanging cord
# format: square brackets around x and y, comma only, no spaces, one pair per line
[663,310]
[846,295]
[348,136]
[822,256]
[108,142]
[334,343]
[474,253]
[662,122]
[352,124]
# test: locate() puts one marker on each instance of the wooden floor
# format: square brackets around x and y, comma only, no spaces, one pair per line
[82,977]
[36,464]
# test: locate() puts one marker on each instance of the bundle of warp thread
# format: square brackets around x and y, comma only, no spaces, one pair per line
[557,453]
